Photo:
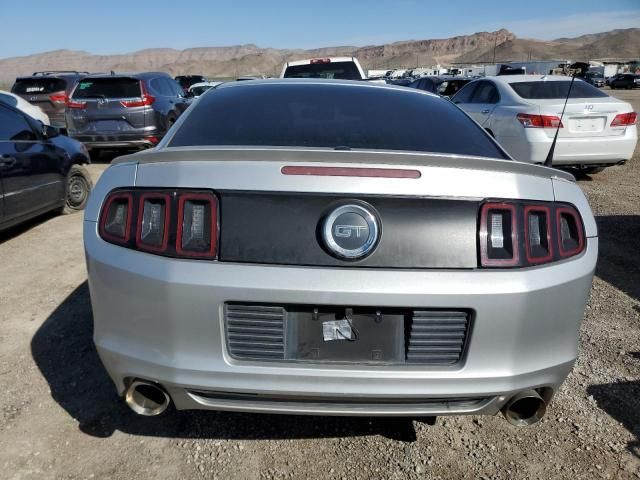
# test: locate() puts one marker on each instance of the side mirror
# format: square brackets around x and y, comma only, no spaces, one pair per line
[49,132]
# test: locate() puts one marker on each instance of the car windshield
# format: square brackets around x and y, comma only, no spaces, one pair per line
[108,87]
[35,86]
[555,90]
[339,70]
[197,91]
[594,75]
[332,116]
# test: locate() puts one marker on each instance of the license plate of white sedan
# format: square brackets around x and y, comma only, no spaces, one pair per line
[587,124]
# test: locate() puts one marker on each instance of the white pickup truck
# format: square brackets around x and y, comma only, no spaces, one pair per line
[341,68]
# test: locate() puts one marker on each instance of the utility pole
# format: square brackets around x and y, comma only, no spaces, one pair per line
[495,44]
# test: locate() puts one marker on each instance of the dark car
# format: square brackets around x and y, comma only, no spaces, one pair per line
[185,81]
[594,78]
[40,169]
[50,91]
[624,80]
[444,86]
[131,111]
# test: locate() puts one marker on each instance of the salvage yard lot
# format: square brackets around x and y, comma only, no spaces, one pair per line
[60,416]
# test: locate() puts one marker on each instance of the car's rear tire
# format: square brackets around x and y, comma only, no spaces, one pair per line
[78,186]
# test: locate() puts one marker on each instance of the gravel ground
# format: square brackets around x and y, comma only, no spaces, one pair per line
[60,417]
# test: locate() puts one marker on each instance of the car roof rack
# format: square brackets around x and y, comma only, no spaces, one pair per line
[50,72]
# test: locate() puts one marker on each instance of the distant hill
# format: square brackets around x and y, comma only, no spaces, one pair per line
[252,60]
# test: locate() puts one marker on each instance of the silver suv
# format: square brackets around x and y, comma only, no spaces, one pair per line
[131,111]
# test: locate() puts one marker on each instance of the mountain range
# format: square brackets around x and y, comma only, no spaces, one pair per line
[225,62]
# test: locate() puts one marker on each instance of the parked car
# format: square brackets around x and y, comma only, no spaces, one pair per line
[185,81]
[445,86]
[132,111]
[624,80]
[198,89]
[40,170]
[344,68]
[594,78]
[50,91]
[288,250]
[21,104]
[522,113]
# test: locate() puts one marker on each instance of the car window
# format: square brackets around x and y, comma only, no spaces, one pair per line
[160,86]
[332,116]
[339,70]
[108,87]
[8,99]
[465,93]
[555,90]
[14,127]
[485,92]
[36,86]
[174,87]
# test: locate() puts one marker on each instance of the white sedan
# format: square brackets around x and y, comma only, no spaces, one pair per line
[21,104]
[523,111]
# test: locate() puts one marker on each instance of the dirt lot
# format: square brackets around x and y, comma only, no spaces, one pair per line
[60,417]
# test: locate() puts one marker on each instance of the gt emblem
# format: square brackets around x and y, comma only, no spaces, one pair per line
[351,231]
[345,231]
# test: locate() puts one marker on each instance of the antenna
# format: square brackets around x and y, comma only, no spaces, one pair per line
[549,160]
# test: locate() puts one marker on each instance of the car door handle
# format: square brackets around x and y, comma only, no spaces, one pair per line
[485,111]
[7,161]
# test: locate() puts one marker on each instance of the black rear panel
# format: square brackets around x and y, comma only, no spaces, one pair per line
[284,229]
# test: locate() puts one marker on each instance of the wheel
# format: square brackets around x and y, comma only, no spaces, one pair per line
[78,187]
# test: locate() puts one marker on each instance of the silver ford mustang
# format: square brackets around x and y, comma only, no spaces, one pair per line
[338,248]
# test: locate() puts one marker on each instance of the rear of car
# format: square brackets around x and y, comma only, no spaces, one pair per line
[338,68]
[186,81]
[289,251]
[123,111]
[522,112]
[50,91]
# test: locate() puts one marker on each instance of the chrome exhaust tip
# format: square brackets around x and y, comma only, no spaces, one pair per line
[146,398]
[524,408]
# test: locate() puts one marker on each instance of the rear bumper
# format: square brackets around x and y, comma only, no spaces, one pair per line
[534,146]
[160,319]
[116,141]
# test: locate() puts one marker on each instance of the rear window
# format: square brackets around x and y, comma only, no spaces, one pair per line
[35,86]
[119,87]
[339,70]
[552,90]
[331,116]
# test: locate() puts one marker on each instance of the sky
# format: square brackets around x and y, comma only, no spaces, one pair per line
[120,26]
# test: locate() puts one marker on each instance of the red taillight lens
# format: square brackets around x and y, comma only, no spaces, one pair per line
[499,244]
[152,232]
[154,227]
[539,121]
[144,101]
[570,232]
[537,233]
[624,119]
[197,224]
[59,97]
[545,232]
[76,104]
[317,61]
[116,216]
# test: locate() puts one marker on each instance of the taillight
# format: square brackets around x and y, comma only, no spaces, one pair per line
[59,97]
[624,119]
[539,121]
[75,104]
[144,101]
[317,61]
[522,234]
[173,223]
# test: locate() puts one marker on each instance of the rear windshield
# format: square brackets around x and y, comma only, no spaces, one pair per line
[552,90]
[331,116]
[339,70]
[119,87]
[35,86]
